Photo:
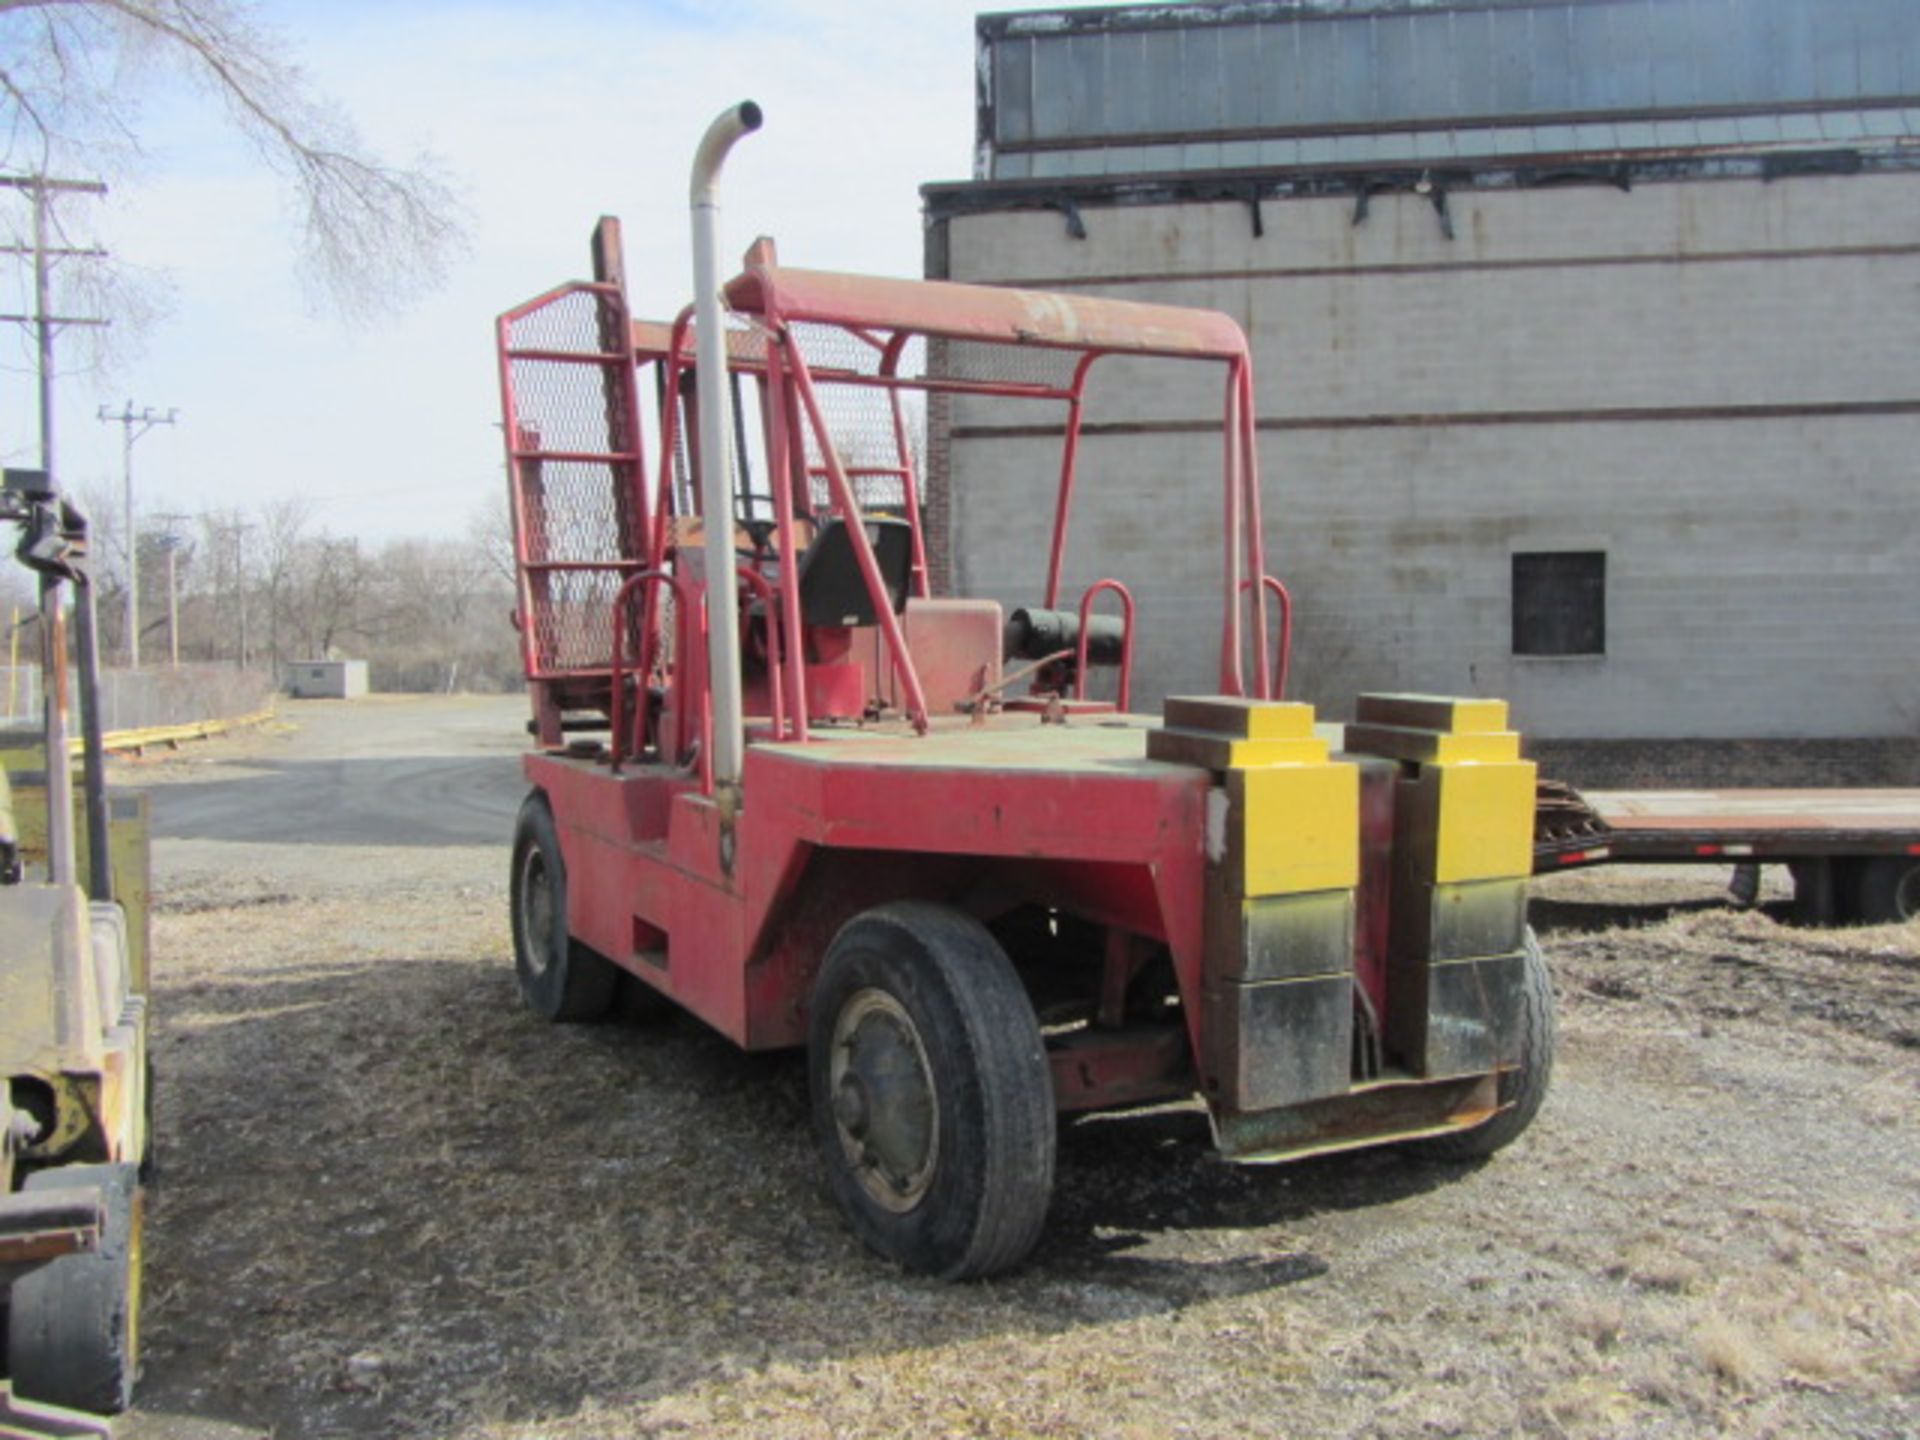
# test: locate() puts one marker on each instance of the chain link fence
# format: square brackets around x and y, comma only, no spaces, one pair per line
[136,699]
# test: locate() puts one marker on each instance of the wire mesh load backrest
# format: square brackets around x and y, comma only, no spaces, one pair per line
[860,420]
[576,475]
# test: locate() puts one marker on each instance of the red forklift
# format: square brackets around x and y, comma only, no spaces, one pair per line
[781,783]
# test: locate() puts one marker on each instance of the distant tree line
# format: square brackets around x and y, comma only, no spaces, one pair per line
[260,588]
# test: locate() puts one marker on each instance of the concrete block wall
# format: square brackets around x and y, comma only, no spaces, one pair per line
[1716,382]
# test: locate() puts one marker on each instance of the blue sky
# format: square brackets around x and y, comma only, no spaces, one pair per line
[544,117]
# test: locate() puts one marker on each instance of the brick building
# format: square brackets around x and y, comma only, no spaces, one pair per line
[1586,336]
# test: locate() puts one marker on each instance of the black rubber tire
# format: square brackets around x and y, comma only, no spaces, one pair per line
[1827,890]
[1889,889]
[560,979]
[1522,1089]
[73,1325]
[992,1159]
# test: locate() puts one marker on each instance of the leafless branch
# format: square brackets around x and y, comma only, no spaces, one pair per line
[371,232]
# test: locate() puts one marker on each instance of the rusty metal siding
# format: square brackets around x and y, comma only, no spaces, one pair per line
[1149,89]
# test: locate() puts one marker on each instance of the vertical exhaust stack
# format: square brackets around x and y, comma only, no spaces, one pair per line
[716,434]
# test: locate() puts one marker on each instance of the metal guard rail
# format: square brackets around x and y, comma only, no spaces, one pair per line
[689,648]
[1126,642]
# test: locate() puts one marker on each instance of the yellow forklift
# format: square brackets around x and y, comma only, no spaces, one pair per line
[75,1148]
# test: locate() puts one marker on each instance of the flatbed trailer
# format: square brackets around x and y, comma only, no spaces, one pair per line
[1854,854]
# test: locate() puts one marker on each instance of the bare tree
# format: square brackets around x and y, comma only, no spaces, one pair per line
[71,75]
[282,524]
[330,586]
[490,531]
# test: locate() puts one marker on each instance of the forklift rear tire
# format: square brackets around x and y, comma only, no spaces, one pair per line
[73,1325]
[1523,1088]
[932,1097]
[560,979]
[1889,889]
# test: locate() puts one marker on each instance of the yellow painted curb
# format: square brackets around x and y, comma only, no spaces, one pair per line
[120,742]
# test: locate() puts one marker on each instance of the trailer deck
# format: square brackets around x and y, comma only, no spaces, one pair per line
[1669,825]
[1855,854]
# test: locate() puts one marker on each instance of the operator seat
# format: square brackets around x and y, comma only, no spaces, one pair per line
[832,592]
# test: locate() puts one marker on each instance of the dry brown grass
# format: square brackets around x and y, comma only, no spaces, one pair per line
[1735,1351]
[394,1205]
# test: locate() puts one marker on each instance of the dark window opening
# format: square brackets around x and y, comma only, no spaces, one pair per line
[1560,602]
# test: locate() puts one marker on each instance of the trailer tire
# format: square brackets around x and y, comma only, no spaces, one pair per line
[1522,1089]
[1828,890]
[1889,889]
[560,978]
[932,1096]
[73,1325]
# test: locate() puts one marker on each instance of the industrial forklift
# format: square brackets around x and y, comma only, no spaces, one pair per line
[780,782]
[75,1148]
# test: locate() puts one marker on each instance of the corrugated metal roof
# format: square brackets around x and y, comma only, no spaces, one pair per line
[1149,89]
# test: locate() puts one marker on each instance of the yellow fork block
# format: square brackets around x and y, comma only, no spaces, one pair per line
[1462,852]
[1283,847]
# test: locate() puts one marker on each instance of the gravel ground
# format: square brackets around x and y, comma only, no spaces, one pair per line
[394,1204]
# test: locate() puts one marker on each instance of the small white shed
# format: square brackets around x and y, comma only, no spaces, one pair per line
[327,679]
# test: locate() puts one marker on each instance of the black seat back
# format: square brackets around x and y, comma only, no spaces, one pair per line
[832,591]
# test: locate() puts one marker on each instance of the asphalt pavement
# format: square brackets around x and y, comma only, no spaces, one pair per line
[336,787]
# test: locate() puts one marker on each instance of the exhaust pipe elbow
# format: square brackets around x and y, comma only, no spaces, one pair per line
[728,126]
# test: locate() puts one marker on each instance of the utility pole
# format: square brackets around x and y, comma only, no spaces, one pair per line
[53,631]
[132,427]
[171,542]
[39,190]
[240,529]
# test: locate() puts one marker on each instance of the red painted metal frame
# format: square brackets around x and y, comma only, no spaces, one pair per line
[522,450]
[909,480]
[1069,462]
[1283,653]
[646,857]
[689,668]
[849,507]
[1126,642]
[1094,328]
[750,888]
[994,315]
[763,588]
[771,290]
[784,445]
[1241,420]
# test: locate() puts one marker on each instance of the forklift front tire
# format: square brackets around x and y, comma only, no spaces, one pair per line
[73,1325]
[932,1096]
[560,978]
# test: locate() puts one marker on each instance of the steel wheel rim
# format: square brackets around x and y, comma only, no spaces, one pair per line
[886,1107]
[536,911]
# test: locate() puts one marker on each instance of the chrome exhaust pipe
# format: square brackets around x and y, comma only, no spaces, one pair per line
[716,442]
